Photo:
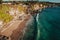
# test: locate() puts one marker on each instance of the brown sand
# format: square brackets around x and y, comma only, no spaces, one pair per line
[18,33]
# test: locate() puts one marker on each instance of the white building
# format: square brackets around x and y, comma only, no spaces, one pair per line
[36,7]
[14,11]
[6,3]
[1,23]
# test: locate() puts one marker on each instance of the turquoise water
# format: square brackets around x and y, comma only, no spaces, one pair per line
[44,26]
[48,24]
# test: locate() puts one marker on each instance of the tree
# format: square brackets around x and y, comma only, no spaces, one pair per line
[0,1]
[0,4]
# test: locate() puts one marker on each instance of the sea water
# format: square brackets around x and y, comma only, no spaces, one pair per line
[45,25]
[48,24]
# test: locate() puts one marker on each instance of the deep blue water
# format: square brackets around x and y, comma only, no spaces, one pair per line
[44,26]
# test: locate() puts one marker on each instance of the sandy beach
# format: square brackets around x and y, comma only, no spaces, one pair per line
[16,31]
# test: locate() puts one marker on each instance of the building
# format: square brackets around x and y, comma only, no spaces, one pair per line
[1,23]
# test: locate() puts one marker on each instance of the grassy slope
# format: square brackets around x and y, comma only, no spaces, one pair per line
[3,15]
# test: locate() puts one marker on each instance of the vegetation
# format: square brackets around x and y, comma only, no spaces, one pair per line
[3,15]
[0,1]
[21,8]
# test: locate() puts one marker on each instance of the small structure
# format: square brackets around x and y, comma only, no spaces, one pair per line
[6,3]
[36,7]
[41,5]
[13,11]
[1,23]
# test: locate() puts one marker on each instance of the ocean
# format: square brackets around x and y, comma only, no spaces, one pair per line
[44,25]
[48,24]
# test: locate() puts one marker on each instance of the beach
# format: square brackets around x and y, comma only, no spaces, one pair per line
[15,31]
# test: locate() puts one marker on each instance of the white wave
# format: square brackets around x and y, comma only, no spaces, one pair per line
[37,17]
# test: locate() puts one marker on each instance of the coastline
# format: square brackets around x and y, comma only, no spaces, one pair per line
[16,31]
